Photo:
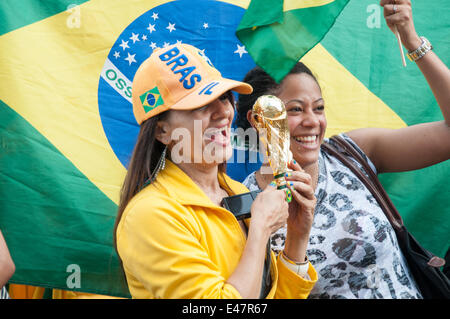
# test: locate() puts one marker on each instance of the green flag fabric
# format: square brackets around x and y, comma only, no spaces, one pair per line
[57,224]
[278,33]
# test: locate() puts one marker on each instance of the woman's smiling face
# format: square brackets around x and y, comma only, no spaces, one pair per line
[306,116]
[201,135]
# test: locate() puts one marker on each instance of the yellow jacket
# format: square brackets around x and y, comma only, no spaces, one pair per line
[175,243]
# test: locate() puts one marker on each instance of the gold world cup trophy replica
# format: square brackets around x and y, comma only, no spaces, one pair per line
[270,119]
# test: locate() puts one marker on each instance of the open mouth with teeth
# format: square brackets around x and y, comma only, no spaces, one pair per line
[218,135]
[309,140]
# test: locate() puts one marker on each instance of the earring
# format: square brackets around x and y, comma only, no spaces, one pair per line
[159,167]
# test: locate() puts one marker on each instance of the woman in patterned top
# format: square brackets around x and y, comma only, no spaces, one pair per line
[352,245]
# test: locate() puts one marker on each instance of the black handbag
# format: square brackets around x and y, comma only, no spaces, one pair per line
[423,265]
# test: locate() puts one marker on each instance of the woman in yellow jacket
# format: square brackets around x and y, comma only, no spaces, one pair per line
[174,238]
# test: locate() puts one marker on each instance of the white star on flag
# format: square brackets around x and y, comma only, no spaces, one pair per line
[134,37]
[166,45]
[130,58]
[153,45]
[116,54]
[155,16]
[178,41]
[144,37]
[240,50]
[151,28]
[205,25]
[124,45]
[171,27]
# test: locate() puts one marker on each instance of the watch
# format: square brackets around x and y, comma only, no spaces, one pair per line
[420,51]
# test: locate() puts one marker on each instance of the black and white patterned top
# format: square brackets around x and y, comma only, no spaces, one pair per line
[4,293]
[352,245]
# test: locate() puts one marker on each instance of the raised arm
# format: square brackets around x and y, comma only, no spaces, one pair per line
[416,146]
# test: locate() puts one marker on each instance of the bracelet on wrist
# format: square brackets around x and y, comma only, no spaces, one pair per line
[301,269]
[418,53]
[293,262]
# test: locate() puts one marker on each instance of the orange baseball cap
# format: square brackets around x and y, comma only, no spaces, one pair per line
[178,77]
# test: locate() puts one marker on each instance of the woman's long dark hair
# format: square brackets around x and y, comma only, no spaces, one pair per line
[145,157]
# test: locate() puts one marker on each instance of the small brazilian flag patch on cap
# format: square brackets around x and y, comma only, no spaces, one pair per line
[151,99]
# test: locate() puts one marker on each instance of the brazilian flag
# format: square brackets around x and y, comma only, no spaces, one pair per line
[151,99]
[67,128]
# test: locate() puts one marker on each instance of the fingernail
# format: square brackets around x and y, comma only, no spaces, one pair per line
[293,161]
[291,183]
[288,196]
[288,174]
[273,184]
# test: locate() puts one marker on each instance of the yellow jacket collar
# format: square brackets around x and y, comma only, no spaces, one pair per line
[181,187]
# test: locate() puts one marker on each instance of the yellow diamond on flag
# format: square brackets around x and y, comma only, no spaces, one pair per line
[151,99]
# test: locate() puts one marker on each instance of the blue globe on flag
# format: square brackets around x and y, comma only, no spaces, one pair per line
[151,99]
[209,26]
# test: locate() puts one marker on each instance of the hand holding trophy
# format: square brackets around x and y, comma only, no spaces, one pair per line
[269,117]
[270,120]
